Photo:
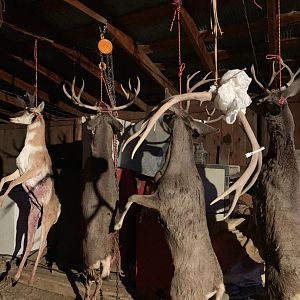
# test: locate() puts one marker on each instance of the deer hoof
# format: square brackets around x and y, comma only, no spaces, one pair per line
[14,281]
[117,226]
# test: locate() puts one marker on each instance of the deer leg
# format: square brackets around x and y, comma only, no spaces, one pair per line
[33,220]
[10,177]
[97,288]
[87,288]
[29,174]
[150,201]
[50,215]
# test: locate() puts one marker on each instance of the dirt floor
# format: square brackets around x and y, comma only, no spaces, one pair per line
[56,285]
[241,264]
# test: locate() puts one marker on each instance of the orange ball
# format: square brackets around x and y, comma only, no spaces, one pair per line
[105,46]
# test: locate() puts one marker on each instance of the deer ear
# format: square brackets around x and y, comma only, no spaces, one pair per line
[202,128]
[293,89]
[40,108]
[116,125]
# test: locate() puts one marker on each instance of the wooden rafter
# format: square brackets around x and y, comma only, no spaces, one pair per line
[129,45]
[84,63]
[272,25]
[197,41]
[19,83]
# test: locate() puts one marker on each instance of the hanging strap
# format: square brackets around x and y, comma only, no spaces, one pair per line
[278,57]
[36,70]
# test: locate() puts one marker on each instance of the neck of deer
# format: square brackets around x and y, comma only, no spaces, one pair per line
[35,135]
[180,147]
[281,131]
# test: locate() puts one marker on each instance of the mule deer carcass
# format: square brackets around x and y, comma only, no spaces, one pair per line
[34,172]
[277,194]
[100,192]
[179,198]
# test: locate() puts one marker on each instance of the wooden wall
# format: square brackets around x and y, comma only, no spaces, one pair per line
[12,138]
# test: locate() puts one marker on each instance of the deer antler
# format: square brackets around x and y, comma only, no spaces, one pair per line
[201,82]
[274,74]
[258,83]
[76,98]
[255,163]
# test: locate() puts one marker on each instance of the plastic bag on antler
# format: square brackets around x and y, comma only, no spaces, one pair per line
[232,94]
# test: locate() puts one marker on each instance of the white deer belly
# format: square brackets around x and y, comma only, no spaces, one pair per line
[24,160]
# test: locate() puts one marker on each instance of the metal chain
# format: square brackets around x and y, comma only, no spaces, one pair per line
[111,79]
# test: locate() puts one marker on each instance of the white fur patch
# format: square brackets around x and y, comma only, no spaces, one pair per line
[218,292]
[296,297]
[106,266]
[96,265]
[24,160]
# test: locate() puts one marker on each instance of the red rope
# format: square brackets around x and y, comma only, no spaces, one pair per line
[181,66]
[36,71]
[278,58]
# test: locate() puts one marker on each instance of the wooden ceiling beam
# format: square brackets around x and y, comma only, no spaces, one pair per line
[272,25]
[233,30]
[129,45]
[197,41]
[53,77]
[85,63]
[19,83]
[10,99]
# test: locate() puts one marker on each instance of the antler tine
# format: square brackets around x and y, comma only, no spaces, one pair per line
[194,87]
[255,163]
[293,76]
[259,84]
[136,134]
[200,96]
[209,121]
[76,98]
[201,82]
[274,74]
[189,78]
[127,94]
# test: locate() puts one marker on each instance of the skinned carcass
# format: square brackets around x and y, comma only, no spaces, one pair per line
[34,172]
[277,194]
[100,193]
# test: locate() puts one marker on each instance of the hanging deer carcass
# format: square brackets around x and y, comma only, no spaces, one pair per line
[34,172]
[100,192]
[277,194]
[179,198]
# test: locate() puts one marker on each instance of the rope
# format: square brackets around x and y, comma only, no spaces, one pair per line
[278,57]
[181,66]
[250,35]
[36,70]
[215,27]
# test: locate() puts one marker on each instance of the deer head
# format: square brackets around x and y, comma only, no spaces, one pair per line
[268,102]
[28,115]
